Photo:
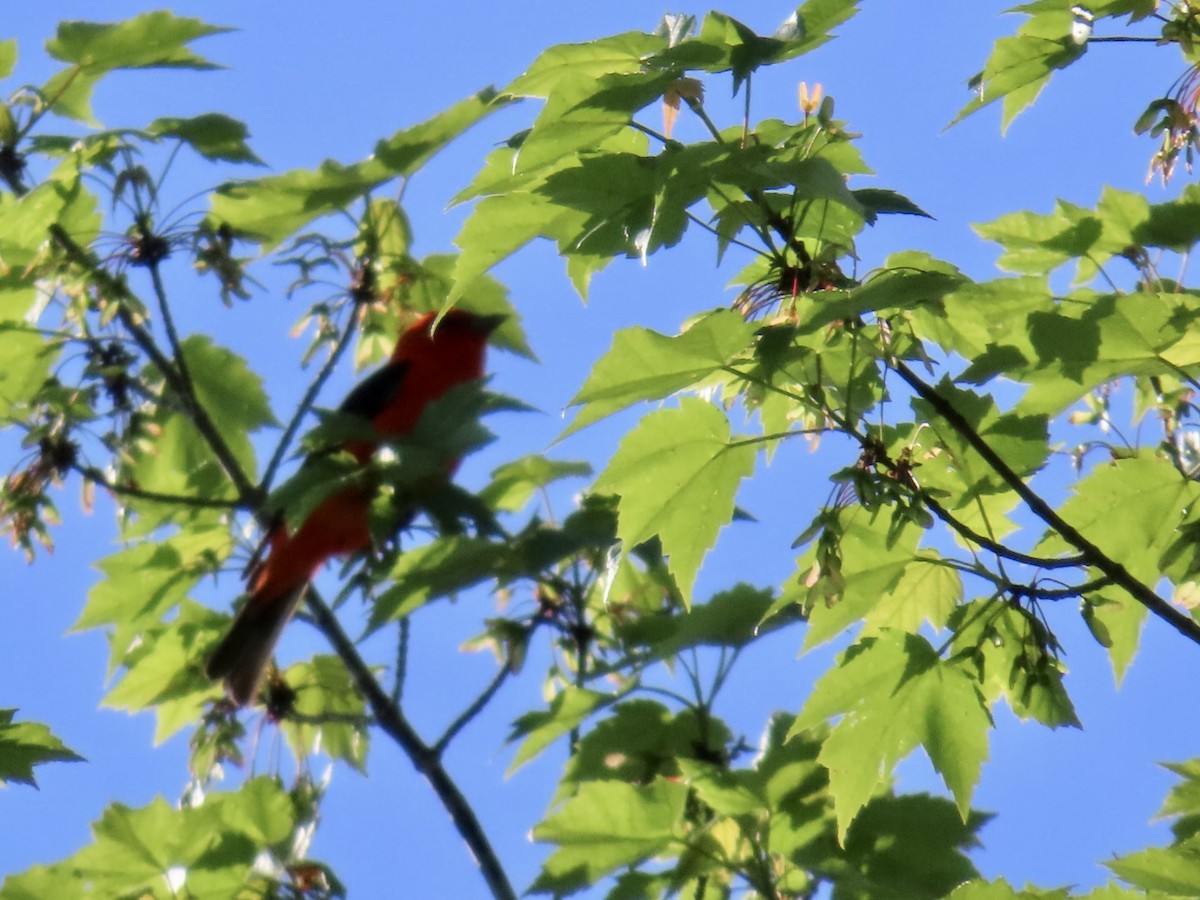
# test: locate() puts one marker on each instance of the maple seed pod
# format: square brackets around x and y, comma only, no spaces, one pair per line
[810,102]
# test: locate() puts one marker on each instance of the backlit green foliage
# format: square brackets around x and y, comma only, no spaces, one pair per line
[936,557]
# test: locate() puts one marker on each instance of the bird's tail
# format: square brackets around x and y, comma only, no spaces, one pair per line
[241,658]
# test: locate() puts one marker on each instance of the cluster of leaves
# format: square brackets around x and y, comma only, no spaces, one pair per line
[931,559]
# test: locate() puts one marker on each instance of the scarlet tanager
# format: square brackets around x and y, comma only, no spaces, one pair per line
[426,363]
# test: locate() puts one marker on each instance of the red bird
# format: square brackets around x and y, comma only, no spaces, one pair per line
[426,363]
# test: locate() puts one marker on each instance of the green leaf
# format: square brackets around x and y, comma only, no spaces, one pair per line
[24,745]
[406,151]
[1009,649]
[732,618]
[213,135]
[1002,890]
[1184,798]
[28,358]
[1131,509]
[811,24]
[332,716]
[1037,244]
[270,209]
[569,708]
[260,809]
[893,694]
[637,741]
[725,44]
[161,672]
[181,461]
[874,562]
[573,66]
[985,323]
[1121,222]
[146,581]
[152,40]
[514,484]
[1021,65]
[8,57]
[135,850]
[729,793]
[912,846]
[520,211]
[25,221]
[203,852]
[437,569]
[230,391]
[645,365]
[497,228]
[928,591]
[895,288]
[1174,225]
[677,473]
[607,825]
[1174,869]
[581,114]
[880,201]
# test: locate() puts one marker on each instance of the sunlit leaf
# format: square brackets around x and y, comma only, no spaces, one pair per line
[1131,510]
[607,825]
[677,473]
[1009,649]
[151,40]
[1021,65]
[8,57]
[331,714]
[645,365]
[272,208]
[24,745]
[213,135]
[1174,870]
[537,730]
[893,694]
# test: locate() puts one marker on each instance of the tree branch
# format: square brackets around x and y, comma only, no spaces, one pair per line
[1092,555]
[387,715]
[424,758]
[117,289]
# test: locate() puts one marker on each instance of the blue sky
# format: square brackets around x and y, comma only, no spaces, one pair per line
[314,83]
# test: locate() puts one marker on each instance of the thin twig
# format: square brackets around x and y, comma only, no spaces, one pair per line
[472,711]
[306,403]
[1033,592]
[97,477]
[403,631]
[987,543]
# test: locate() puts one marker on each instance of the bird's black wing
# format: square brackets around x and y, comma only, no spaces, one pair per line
[375,393]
